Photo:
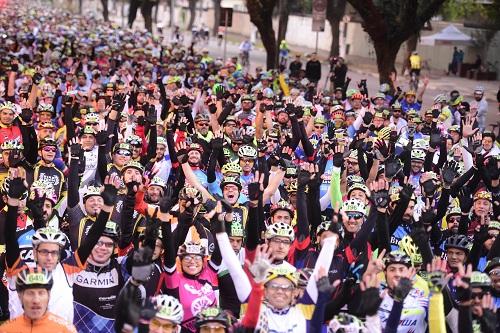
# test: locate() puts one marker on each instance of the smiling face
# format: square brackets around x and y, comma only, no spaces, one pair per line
[455,257]
[48,153]
[279,292]
[354,222]
[482,207]
[192,264]
[93,205]
[103,250]
[6,116]
[154,193]
[87,141]
[35,302]
[194,157]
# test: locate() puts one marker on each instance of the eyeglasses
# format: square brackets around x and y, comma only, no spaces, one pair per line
[355,216]
[192,257]
[156,324]
[478,295]
[247,161]
[351,162]
[272,140]
[281,241]
[91,124]
[46,253]
[319,126]
[282,287]
[495,272]
[50,148]
[108,245]
[490,236]
[236,143]
[454,220]
[230,125]
[212,328]
[202,124]
[123,152]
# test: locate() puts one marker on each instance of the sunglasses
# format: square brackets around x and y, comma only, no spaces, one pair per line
[319,126]
[272,140]
[282,287]
[51,149]
[248,161]
[355,216]
[490,236]
[92,124]
[202,124]
[478,295]
[454,219]
[123,152]
[167,326]
[281,241]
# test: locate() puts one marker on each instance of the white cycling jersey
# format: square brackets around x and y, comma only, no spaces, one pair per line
[414,314]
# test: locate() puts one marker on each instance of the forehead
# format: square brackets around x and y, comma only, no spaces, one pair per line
[48,246]
[282,281]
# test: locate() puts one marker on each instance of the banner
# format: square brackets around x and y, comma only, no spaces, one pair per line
[318,15]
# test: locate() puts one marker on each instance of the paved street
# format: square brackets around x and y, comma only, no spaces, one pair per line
[359,68]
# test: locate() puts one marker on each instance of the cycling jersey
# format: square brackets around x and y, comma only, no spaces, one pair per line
[49,323]
[51,175]
[290,320]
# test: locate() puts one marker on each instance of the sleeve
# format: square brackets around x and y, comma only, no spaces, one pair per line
[241,282]
[12,252]
[251,317]
[394,317]
[324,260]
[95,233]
[437,322]
[335,192]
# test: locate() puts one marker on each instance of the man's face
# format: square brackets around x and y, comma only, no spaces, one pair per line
[272,143]
[140,97]
[45,133]
[455,136]
[279,292]
[136,151]
[354,222]
[93,205]
[356,103]
[487,143]
[283,118]
[453,222]
[231,193]
[6,117]
[455,257]
[408,214]
[82,81]
[131,174]
[35,302]
[378,122]
[121,157]
[379,102]
[87,141]
[410,99]
[48,153]
[477,295]
[478,96]
[279,247]
[194,157]
[103,250]
[202,127]
[47,255]
[229,127]
[236,243]
[160,152]
[246,106]
[154,193]
[352,166]
[281,216]
[394,273]
[358,194]
[247,165]
[47,209]
[44,117]
[416,166]
[396,114]
[482,207]
[495,278]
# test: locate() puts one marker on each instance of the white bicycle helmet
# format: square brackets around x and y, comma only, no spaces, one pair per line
[280,229]
[247,152]
[346,323]
[354,205]
[49,235]
[169,308]
[418,154]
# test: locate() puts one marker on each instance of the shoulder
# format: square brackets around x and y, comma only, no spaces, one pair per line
[13,325]
[61,324]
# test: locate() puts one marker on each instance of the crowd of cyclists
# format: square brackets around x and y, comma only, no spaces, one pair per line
[151,187]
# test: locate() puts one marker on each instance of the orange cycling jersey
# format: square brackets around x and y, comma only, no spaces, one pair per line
[49,323]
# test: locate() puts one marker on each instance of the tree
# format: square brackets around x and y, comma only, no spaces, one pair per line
[261,14]
[215,28]
[334,12]
[391,22]
[192,13]
[284,11]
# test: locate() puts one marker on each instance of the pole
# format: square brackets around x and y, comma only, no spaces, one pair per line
[123,13]
[226,15]
[317,35]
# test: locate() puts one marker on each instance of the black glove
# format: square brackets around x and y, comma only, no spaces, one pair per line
[435,139]
[262,108]
[141,264]
[464,294]
[212,108]
[428,217]
[109,194]
[371,301]
[35,206]
[324,286]
[392,167]
[217,143]
[165,204]
[182,156]
[466,199]
[429,188]
[406,192]
[76,150]
[402,289]
[381,198]
[37,78]
[226,206]
[367,118]
[262,145]
[101,138]
[184,100]
[303,178]
[148,310]
[130,187]
[449,172]
[488,321]
[382,149]
[253,191]
[16,188]
[210,205]
[26,115]
[118,102]
[151,115]
[273,160]
[338,159]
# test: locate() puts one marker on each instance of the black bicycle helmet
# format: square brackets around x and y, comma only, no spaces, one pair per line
[460,242]
[213,314]
[397,257]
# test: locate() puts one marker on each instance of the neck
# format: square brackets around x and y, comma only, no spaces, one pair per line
[93,262]
[33,321]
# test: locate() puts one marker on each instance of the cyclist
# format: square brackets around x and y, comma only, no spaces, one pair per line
[415,65]
[34,287]
[245,48]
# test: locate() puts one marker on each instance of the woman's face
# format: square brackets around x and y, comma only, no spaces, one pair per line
[192,264]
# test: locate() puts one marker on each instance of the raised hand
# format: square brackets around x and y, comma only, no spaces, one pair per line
[75,148]
[467,126]
[380,194]
[182,153]
[111,185]
[256,187]
[437,276]
[262,263]
[449,173]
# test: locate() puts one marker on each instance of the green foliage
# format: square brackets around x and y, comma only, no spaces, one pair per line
[458,10]
[301,7]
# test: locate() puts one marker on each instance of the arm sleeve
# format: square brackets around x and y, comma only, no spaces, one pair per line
[324,260]
[241,283]
[383,237]
[127,222]
[168,242]
[394,317]
[335,192]
[437,322]
[95,233]
[12,251]
[302,220]
[252,228]
[464,319]
[73,184]
[251,317]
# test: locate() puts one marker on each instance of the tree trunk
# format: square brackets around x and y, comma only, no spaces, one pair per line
[171,12]
[411,45]
[386,52]
[269,40]
[215,28]
[261,14]
[192,13]
[334,12]
[282,24]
